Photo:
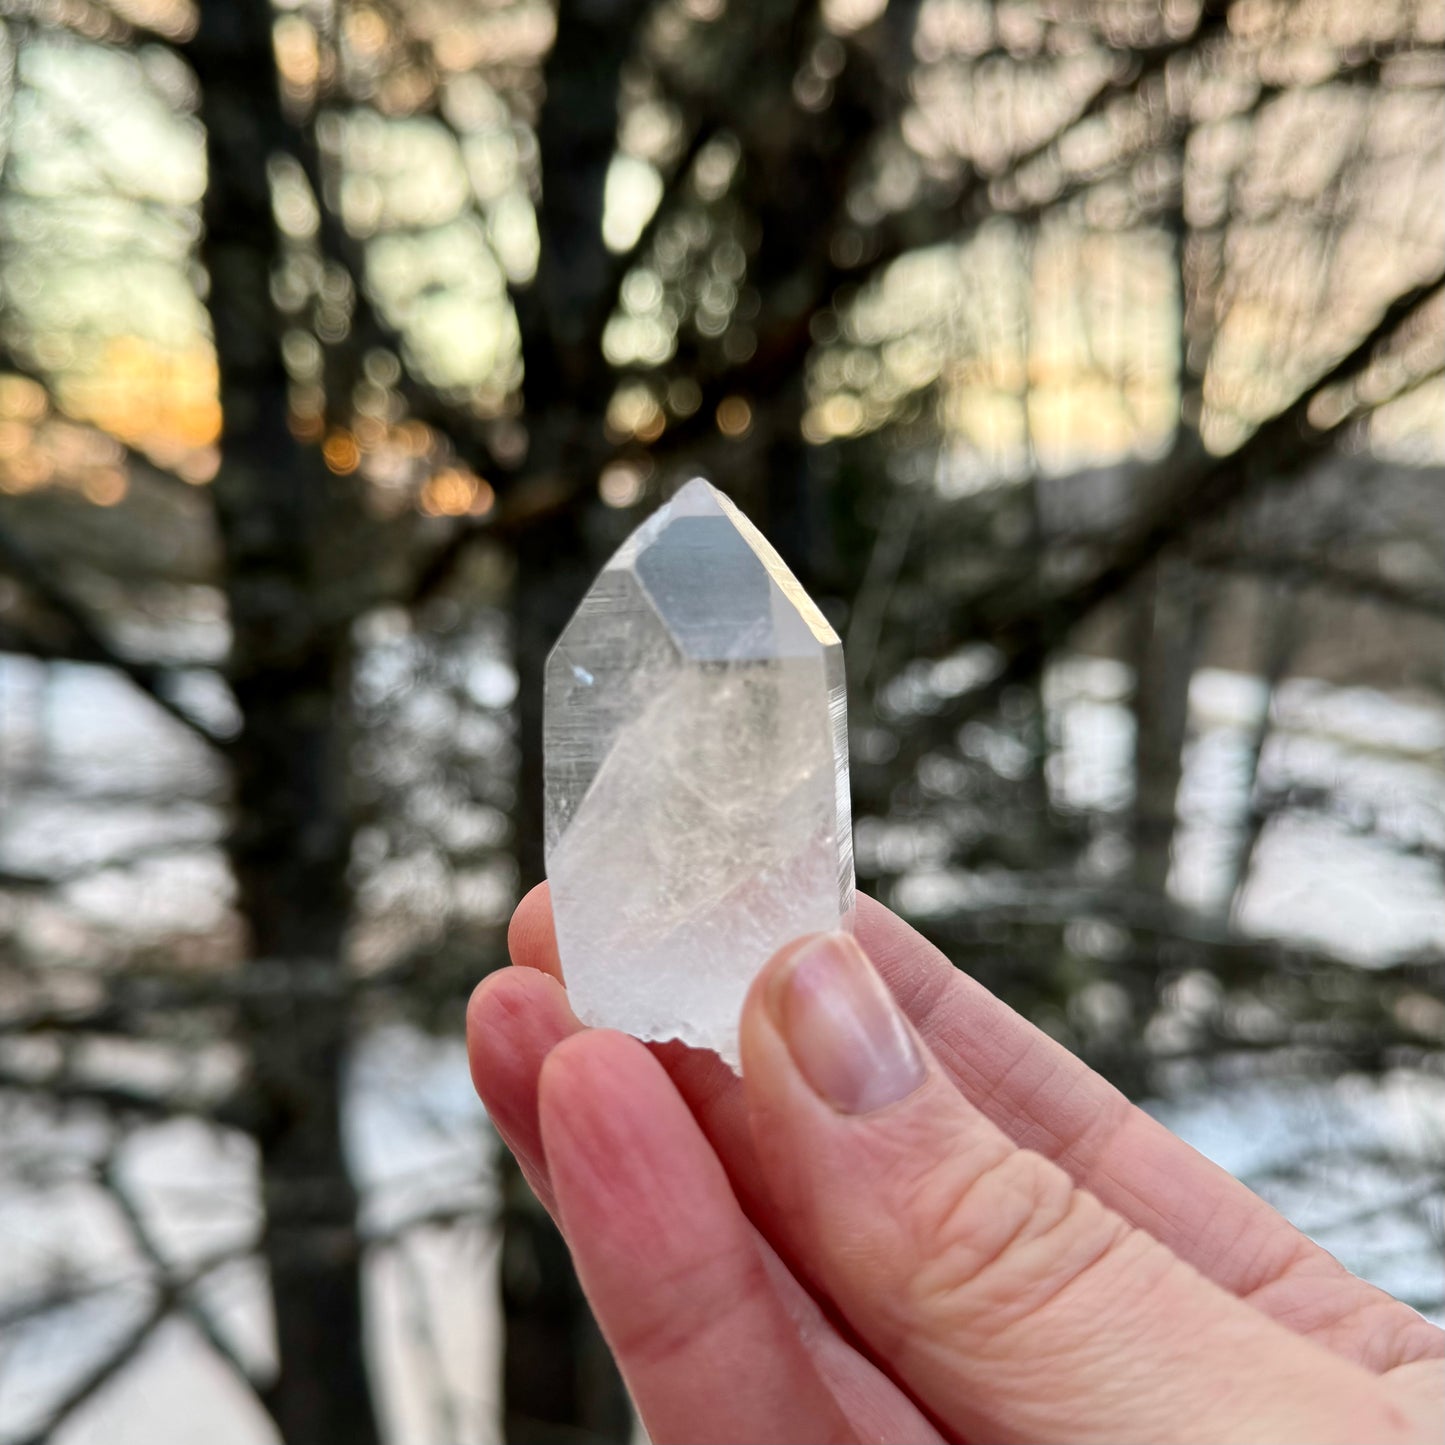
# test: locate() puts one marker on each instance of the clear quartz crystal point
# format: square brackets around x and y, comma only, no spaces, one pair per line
[696,747]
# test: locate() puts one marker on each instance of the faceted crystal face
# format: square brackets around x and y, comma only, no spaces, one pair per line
[697,776]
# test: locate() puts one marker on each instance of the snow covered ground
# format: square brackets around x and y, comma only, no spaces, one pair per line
[421,1147]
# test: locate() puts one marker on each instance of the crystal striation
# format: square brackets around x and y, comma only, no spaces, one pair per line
[696,756]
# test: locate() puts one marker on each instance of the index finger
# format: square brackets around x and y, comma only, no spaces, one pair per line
[1047,1100]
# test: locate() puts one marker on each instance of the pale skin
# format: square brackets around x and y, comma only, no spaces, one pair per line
[916,1218]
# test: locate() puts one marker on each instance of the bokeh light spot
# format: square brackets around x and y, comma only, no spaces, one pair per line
[341,453]
[734,416]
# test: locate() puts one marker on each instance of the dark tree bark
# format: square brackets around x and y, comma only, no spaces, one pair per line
[1167,626]
[564,310]
[281,517]
[557,1374]
[1281,635]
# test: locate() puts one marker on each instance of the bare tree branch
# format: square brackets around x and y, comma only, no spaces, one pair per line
[705,131]
[1233,955]
[100,1375]
[1358,820]
[1301,570]
[62,1296]
[170,1294]
[90,643]
[123,1099]
[443,1216]
[980,197]
[25,643]
[1025,623]
[172,848]
[1283,632]
[129,1209]
[778,356]
[371,329]
[132,997]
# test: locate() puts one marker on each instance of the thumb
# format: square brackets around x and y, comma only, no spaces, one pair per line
[1013,1305]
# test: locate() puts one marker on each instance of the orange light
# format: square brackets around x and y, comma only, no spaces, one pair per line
[483,500]
[366,32]
[105,488]
[414,438]
[29,470]
[23,398]
[297,51]
[150,396]
[341,453]
[15,436]
[452,493]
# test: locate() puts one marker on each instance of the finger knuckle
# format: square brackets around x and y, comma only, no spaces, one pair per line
[997,1245]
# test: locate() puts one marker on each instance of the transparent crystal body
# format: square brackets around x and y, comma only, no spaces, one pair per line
[696,754]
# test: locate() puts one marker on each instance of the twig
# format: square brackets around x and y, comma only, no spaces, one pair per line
[870,608]
[1025,627]
[1050,905]
[705,131]
[25,879]
[171,1292]
[195,1311]
[92,644]
[1283,633]
[101,1375]
[534,500]
[1301,570]
[467,1211]
[122,1099]
[162,993]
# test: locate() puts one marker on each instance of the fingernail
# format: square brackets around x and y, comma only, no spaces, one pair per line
[842,1027]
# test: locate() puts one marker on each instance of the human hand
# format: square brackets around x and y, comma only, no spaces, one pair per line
[946,1228]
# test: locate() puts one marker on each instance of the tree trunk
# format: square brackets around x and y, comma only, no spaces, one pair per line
[1167,622]
[1279,638]
[279,518]
[557,1374]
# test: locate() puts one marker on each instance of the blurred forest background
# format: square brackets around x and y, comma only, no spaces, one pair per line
[1084,358]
